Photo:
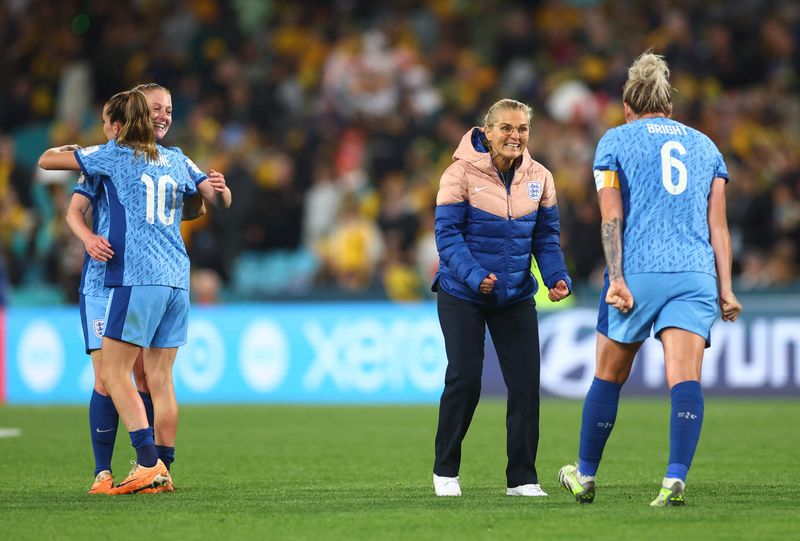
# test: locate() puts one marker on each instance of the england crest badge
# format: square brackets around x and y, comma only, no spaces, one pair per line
[535,190]
[98,325]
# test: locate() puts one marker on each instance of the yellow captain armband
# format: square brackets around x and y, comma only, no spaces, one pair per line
[606,179]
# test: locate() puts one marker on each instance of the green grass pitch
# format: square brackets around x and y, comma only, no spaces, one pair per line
[364,472]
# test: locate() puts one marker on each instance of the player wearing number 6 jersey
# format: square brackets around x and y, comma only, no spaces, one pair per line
[661,187]
[149,271]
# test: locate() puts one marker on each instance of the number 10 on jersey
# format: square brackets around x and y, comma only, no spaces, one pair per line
[150,186]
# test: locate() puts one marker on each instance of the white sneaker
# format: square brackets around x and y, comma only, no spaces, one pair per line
[446,486]
[526,490]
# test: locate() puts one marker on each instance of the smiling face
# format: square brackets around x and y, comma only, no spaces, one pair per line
[508,136]
[160,103]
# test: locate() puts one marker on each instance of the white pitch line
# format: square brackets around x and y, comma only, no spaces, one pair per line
[10,432]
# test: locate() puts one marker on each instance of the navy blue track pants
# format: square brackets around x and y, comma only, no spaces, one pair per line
[515,334]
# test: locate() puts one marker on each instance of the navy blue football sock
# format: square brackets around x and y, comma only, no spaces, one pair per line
[686,420]
[103,422]
[148,407]
[166,454]
[599,415]
[145,445]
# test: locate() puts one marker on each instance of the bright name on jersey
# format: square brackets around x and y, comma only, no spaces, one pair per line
[666,129]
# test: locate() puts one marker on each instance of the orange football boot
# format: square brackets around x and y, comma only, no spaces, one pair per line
[103,483]
[141,478]
[166,487]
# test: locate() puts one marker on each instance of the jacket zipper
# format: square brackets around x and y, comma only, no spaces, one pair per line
[508,192]
[508,214]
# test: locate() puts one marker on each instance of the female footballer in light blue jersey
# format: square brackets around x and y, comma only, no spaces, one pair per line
[88,193]
[661,186]
[149,270]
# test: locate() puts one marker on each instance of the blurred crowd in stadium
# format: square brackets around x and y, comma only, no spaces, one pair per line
[334,121]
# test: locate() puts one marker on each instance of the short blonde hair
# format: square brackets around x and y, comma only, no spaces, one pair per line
[503,105]
[647,89]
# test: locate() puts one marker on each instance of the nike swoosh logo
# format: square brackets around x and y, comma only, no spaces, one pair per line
[477,189]
[101,431]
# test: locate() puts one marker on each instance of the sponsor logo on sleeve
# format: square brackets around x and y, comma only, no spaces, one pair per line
[89,150]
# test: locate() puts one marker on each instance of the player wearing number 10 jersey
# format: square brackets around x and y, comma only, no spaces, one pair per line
[149,271]
[661,187]
[89,194]
[145,200]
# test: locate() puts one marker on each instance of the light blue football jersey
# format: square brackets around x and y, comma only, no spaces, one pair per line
[145,202]
[93,272]
[665,171]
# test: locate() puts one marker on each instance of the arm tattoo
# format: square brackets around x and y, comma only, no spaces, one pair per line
[612,246]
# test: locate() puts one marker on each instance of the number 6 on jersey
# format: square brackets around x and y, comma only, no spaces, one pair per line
[668,162]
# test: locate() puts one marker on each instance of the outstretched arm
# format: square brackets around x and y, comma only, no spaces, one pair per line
[723,254]
[60,158]
[618,295]
[215,191]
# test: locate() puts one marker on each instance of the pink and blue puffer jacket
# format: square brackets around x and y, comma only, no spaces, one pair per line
[482,227]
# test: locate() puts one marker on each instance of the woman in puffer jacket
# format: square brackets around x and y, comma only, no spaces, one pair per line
[496,208]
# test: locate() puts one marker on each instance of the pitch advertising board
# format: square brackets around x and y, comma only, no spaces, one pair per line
[374,353]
